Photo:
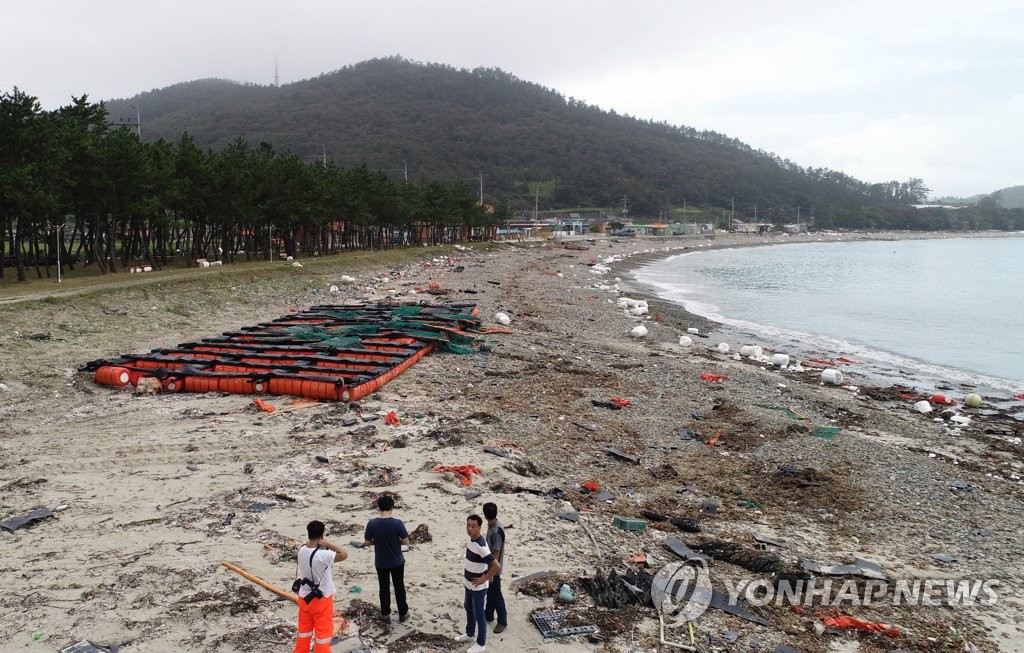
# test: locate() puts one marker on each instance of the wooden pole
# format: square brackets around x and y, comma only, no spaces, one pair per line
[259,581]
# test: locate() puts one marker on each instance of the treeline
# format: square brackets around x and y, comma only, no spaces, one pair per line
[74,188]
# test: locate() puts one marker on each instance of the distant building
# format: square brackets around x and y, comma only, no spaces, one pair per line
[739,226]
[799,228]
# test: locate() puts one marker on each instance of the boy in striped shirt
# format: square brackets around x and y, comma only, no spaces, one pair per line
[480,568]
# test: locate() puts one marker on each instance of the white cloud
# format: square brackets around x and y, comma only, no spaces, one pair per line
[881,90]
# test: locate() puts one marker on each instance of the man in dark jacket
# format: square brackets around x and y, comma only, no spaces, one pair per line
[387,535]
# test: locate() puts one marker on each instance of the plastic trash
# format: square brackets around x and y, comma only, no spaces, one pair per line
[334,289]
[637,311]
[780,360]
[347,279]
[707,376]
[638,331]
[502,319]
[923,407]
[832,377]
[566,594]
[693,330]
[942,400]
[685,341]
[751,351]
[723,348]
[972,400]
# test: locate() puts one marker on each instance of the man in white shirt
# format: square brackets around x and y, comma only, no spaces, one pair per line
[316,592]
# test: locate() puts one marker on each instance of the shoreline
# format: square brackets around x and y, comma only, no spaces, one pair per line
[150,493]
[927,376]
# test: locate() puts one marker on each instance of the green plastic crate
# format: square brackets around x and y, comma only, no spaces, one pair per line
[627,524]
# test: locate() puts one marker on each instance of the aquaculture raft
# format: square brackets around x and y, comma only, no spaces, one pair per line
[329,352]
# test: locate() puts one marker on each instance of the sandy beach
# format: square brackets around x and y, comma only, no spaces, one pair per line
[151,493]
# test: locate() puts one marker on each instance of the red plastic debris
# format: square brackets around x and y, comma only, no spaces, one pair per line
[591,485]
[846,621]
[264,406]
[844,359]
[822,361]
[707,376]
[463,472]
[391,419]
[942,399]
[713,441]
[1019,395]
[620,402]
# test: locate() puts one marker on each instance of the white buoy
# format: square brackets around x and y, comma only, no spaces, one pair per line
[638,310]
[923,407]
[780,360]
[502,319]
[972,400]
[693,330]
[832,377]
[638,331]
[751,351]
[685,341]
[347,279]
[723,348]
[334,289]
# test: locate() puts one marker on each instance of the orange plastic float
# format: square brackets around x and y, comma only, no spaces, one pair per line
[331,352]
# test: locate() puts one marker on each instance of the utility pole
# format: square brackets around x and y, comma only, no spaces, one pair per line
[138,122]
[732,212]
[481,188]
[536,201]
[405,168]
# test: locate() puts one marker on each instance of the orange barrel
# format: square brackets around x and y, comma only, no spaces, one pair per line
[114,376]
[200,384]
[235,385]
[174,384]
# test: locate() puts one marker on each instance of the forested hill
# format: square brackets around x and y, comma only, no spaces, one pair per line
[446,124]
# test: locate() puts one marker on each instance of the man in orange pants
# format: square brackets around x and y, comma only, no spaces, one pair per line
[316,590]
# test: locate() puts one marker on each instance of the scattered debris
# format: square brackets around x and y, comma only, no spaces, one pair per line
[15,523]
[627,524]
[420,535]
[549,623]
[622,456]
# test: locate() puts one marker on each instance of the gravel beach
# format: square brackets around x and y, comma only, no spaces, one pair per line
[149,493]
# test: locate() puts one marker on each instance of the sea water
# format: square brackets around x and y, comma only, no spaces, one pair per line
[938,311]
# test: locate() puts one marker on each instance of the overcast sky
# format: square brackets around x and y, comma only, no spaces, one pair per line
[878,89]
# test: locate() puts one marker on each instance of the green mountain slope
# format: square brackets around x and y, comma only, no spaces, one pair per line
[442,123]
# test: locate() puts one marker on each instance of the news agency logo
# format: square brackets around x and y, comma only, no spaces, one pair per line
[683,591]
[830,593]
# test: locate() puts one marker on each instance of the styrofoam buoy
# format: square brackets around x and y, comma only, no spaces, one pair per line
[923,407]
[832,377]
[502,319]
[638,310]
[347,279]
[780,360]
[972,400]
[751,351]
[685,341]
[723,348]
[639,331]
[693,330]
[334,289]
